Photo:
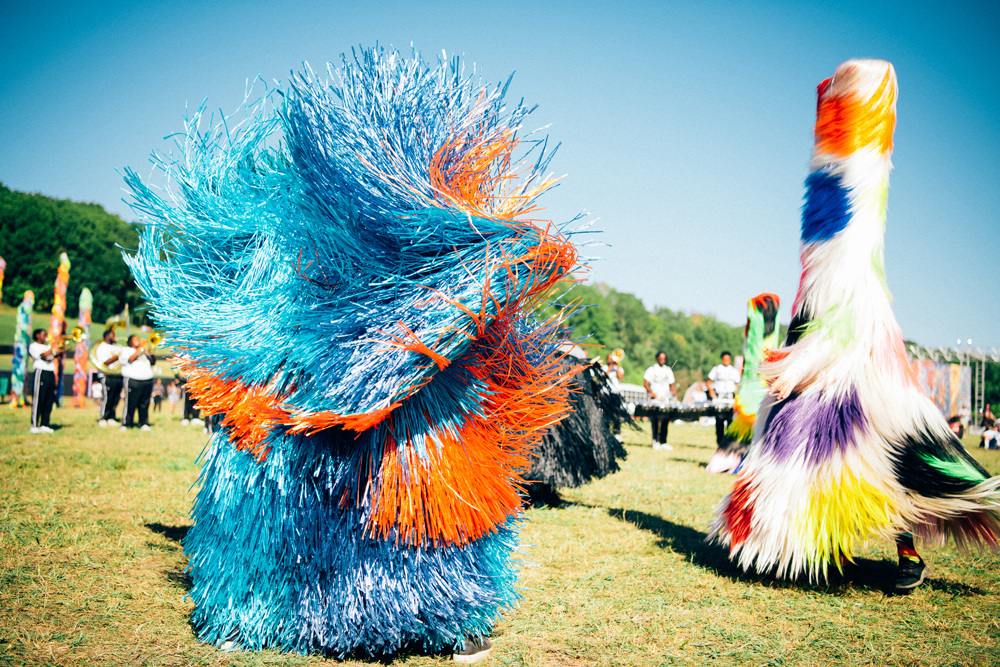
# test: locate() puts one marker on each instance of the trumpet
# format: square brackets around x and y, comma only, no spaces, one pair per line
[154,341]
[62,343]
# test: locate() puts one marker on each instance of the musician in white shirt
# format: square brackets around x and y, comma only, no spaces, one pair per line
[137,373]
[106,352]
[43,396]
[661,388]
[723,383]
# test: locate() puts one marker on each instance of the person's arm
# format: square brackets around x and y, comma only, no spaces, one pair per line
[673,390]
[135,356]
[711,390]
[620,372]
[649,390]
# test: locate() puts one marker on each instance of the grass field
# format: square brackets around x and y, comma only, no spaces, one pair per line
[93,572]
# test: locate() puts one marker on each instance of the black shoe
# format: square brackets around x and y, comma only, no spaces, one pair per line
[473,650]
[911,574]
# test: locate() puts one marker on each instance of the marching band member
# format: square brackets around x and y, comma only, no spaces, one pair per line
[137,371]
[43,358]
[106,352]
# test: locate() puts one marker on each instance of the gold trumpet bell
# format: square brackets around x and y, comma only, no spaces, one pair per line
[155,339]
[63,343]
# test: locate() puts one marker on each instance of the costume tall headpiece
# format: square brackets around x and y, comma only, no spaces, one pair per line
[849,447]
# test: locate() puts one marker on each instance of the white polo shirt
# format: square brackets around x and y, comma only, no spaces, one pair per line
[140,369]
[36,350]
[660,378]
[105,351]
[724,380]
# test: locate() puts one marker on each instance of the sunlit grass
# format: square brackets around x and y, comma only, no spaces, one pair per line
[91,569]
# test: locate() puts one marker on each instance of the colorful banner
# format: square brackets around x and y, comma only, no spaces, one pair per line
[80,375]
[22,336]
[948,385]
[57,323]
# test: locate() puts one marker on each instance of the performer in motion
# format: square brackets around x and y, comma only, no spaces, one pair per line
[846,446]
[351,270]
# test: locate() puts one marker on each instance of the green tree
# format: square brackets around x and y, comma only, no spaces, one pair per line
[34,229]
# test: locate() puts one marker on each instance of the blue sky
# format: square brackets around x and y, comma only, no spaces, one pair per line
[685,128]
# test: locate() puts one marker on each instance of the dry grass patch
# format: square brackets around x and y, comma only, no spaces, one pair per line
[91,569]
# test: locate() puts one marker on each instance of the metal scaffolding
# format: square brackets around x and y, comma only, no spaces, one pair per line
[965,355]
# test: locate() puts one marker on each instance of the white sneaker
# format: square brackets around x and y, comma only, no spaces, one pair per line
[197,422]
[102,423]
[145,427]
[114,422]
[45,429]
[36,430]
[123,428]
[184,422]
[666,447]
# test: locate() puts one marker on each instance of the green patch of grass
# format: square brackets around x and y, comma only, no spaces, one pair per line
[92,572]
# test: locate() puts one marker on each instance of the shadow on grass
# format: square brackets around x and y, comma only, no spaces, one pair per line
[700,464]
[864,573]
[176,534]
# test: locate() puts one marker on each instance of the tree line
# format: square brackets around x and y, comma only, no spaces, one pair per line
[35,229]
[611,319]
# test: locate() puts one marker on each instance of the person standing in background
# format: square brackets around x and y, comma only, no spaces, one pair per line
[613,369]
[173,395]
[43,396]
[723,383]
[661,387]
[158,392]
[106,353]
[137,371]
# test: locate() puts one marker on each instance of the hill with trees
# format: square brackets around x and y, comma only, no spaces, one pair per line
[614,319]
[35,229]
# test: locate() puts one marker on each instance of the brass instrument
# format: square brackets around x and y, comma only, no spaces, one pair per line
[115,322]
[62,343]
[112,323]
[147,346]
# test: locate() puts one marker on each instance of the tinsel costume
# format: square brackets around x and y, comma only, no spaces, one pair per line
[57,322]
[22,338]
[349,274]
[847,447]
[581,447]
[760,333]
[80,354]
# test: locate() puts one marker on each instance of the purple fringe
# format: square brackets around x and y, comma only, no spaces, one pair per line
[827,427]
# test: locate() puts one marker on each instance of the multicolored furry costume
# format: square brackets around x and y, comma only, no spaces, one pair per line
[581,447]
[349,276]
[848,447]
[760,333]
[22,338]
